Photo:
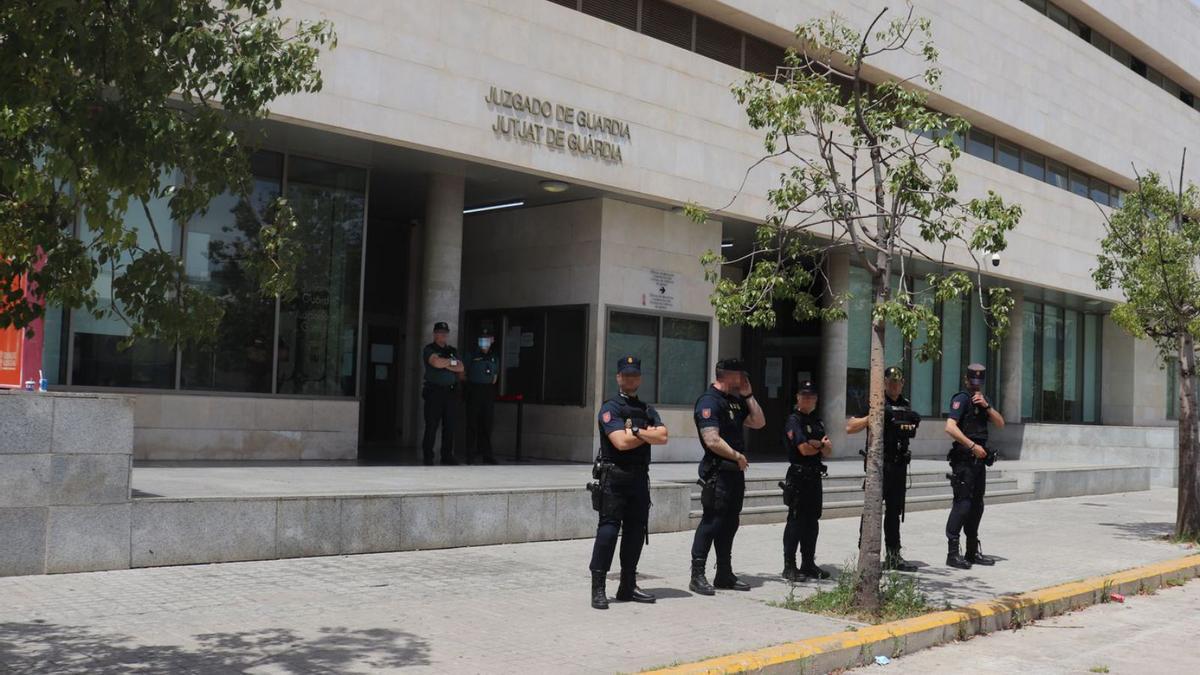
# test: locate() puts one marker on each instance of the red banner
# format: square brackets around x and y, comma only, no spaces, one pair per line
[12,352]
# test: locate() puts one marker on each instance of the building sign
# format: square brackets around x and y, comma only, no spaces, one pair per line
[12,351]
[556,126]
[660,293]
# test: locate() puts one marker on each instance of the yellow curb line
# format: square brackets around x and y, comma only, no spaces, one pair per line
[855,646]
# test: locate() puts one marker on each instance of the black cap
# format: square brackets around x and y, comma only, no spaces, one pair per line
[976,373]
[629,365]
[485,332]
[441,327]
[734,364]
[893,374]
[807,387]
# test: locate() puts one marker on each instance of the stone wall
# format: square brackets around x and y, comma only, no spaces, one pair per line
[213,427]
[64,482]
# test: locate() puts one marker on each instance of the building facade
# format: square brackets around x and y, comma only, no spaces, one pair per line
[520,166]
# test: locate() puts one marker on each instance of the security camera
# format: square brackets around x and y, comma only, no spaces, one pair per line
[995,260]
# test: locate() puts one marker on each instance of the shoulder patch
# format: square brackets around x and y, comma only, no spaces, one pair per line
[607,417]
[706,413]
[955,405]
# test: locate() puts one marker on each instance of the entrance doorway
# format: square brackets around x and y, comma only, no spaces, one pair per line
[779,359]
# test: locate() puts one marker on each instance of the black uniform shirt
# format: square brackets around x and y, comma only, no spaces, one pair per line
[625,412]
[892,442]
[972,419]
[726,413]
[800,428]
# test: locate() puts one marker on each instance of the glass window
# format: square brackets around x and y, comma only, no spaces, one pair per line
[674,367]
[1078,28]
[1033,164]
[1030,329]
[1100,42]
[1008,155]
[684,355]
[54,362]
[1119,53]
[1155,77]
[1052,384]
[1099,191]
[1056,174]
[921,378]
[979,333]
[1116,197]
[952,350]
[1039,5]
[98,359]
[1058,15]
[1091,353]
[216,245]
[858,337]
[1172,368]
[981,144]
[566,354]
[1079,183]
[318,330]
[1072,411]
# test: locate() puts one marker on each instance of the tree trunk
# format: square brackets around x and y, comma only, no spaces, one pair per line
[1187,517]
[869,568]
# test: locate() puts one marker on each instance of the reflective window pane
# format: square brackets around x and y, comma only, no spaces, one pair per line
[684,360]
[1056,174]
[1091,345]
[54,355]
[1033,165]
[1099,191]
[1058,15]
[858,338]
[952,350]
[1079,183]
[1052,381]
[981,144]
[1072,410]
[218,243]
[635,334]
[1030,329]
[318,330]
[1008,155]
[98,359]
[921,378]
[566,350]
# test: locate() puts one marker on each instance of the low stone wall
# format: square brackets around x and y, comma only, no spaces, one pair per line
[1153,447]
[231,428]
[65,462]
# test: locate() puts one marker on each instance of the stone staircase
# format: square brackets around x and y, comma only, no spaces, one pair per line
[844,496]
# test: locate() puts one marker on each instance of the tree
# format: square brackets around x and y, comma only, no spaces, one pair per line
[870,172]
[1151,252]
[104,99]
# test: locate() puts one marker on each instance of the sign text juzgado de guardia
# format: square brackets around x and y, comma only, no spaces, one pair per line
[595,135]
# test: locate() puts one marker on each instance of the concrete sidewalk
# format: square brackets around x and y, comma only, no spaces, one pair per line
[523,607]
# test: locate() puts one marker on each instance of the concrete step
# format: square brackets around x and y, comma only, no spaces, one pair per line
[840,495]
[845,480]
[778,513]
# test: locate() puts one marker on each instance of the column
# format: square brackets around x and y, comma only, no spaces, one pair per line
[1012,360]
[834,343]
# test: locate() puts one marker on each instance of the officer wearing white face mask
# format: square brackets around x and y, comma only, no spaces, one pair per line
[483,368]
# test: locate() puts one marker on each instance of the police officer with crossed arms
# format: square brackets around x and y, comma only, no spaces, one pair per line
[805,442]
[628,427]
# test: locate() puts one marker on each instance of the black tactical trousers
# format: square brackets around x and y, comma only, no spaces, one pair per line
[625,505]
[970,483]
[480,412]
[895,485]
[721,517]
[803,520]
[440,408]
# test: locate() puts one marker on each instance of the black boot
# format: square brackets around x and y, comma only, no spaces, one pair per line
[953,559]
[790,573]
[599,599]
[725,578]
[809,569]
[975,554]
[893,561]
[628,589]
[699,583]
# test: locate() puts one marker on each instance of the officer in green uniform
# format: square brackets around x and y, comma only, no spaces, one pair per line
[442,370]
[483,367]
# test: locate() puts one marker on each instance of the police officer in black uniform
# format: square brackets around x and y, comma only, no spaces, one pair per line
[969,458]
[628,427]
[805,442]
[482,369]
[442,370]
[900,424]
[721,414]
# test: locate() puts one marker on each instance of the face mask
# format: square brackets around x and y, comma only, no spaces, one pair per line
[484,343]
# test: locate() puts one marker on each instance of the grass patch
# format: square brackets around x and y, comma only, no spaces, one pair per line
[900,598]
[1098,669]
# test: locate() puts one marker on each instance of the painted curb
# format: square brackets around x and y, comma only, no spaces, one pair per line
[848,649]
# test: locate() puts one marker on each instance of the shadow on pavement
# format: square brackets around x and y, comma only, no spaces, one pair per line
[48,648]
[1142,530]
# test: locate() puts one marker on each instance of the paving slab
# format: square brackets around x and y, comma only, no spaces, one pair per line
[523,607]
